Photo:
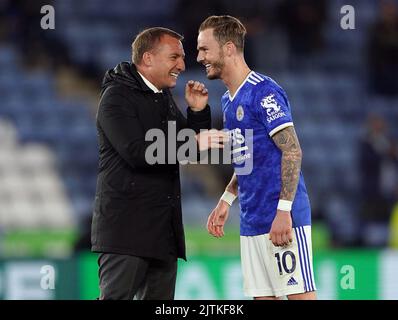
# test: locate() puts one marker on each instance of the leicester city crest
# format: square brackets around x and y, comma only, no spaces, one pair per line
[239,113]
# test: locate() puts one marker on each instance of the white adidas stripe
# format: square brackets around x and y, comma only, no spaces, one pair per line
[254,79]
[252,82]
[255,75]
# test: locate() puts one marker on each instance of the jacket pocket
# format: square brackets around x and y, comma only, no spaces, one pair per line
[121,185]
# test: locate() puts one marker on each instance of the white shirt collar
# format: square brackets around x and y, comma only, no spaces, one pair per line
[241,85]
[149,84]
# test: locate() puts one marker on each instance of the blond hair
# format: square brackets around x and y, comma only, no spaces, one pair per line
[226,28]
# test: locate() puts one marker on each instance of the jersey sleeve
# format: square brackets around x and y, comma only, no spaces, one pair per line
[272,109]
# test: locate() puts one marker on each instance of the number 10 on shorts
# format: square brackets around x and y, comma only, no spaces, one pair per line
[282,263]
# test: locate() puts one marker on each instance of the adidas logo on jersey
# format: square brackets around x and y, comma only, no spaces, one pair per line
[292,282]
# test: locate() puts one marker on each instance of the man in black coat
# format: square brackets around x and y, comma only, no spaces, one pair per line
[137,222]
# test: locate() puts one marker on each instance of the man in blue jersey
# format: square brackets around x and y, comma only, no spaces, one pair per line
[275,217]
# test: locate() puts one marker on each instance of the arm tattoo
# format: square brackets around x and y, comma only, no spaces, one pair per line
[287,142]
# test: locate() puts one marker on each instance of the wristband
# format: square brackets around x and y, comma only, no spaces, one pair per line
[285,205]
[228,197]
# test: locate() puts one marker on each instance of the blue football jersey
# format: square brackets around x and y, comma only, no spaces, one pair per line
[257,111]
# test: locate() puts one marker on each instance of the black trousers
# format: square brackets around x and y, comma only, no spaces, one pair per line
[124,277]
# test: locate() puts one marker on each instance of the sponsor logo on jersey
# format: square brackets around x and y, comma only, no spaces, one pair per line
[240,113]
[237,138]
[238,146]
[273,109]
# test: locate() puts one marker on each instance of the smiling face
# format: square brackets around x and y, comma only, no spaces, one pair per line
[210,54]
[166,62]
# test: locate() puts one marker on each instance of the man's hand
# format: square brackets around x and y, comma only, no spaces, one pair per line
[196,95]
[281,229]
[217,219]
[210,139]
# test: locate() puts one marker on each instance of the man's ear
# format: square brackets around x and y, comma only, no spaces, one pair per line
[229,48]
[147,59]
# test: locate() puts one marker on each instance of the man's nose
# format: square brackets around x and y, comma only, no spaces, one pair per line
[199,58]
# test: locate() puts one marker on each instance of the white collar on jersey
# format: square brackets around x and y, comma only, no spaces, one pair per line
[241,85]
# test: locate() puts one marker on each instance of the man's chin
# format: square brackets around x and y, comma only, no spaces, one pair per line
[213,76]
[172,83]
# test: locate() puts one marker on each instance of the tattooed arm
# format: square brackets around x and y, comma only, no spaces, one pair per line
[286,140]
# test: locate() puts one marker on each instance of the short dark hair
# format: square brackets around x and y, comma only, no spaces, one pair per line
[147,40]
[226,28]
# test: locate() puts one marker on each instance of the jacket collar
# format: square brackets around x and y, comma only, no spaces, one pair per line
[149,84]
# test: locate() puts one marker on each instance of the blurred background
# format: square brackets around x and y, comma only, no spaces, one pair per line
[343,89]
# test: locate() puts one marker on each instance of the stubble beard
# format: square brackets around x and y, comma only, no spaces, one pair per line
[217,69]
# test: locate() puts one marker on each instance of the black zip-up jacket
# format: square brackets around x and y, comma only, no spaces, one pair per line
[137,209]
